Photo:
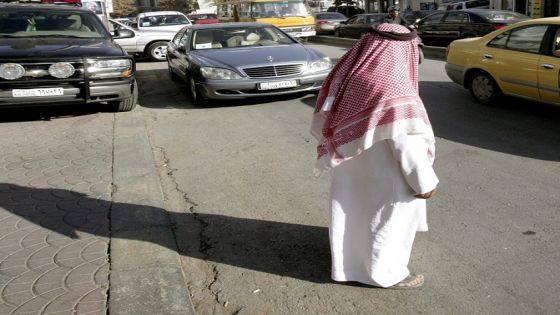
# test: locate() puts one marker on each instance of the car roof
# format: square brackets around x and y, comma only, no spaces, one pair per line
[47,7]
[227,25]
[160,13]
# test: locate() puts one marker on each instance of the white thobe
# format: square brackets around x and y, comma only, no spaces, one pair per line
[374,214]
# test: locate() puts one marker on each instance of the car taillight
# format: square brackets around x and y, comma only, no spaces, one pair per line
[323,22]
[499,26]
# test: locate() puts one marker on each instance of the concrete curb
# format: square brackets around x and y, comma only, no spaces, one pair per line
[146,275]
[430,52]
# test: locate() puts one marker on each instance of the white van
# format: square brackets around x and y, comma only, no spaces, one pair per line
[462,5]
[162,20]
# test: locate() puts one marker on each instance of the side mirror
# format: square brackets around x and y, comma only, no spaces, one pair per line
[123,33]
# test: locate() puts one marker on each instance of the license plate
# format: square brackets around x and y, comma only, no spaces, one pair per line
[38,92]
[277,85]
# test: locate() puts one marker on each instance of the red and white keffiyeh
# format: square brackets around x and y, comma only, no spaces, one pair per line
[370,95]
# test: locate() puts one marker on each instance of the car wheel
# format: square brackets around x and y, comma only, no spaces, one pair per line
[158,51]
[337,33]
[483,88]
[128,104]
[195,95]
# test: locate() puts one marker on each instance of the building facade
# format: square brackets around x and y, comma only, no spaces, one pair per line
[533,8]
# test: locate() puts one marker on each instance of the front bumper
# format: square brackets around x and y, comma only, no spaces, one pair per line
[73,92]
[456,73]
[246,88]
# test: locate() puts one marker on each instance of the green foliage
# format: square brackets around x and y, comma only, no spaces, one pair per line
[184,6]
[123,8]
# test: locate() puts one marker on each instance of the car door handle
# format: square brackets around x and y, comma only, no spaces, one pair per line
[547,66]
[488,56]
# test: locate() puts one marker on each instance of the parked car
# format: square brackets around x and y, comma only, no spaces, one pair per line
[162,20]
[151,43]
[412,17]
[203,18]
[441,28]
[52,55]
[326,21]
[241,60]
[347,10]
[522,60]
[358,25]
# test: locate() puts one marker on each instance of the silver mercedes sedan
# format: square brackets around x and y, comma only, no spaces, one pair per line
[242,60]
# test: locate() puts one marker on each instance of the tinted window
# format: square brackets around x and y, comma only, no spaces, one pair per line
[331,16]
[41,22]
[501,16]
[457,17]
[432,19]
[556,44]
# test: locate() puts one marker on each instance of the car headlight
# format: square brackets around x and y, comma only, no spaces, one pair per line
[11,71]
[218,74]
[110,68]
[320,65]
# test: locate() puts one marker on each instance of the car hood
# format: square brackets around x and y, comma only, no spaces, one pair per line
[256,56]
[58,47]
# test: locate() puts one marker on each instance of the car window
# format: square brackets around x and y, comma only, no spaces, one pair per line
[352,20]
[361,20]
[457,17]
[230,37]
[556,44]
[432,19]
[46,23]
[526,39]
[374,19]
[176,40]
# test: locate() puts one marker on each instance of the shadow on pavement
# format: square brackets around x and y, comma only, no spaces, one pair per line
[513,126]
[284,249]
[174,94]
[49,112]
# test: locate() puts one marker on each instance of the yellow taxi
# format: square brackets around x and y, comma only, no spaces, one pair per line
[521,60]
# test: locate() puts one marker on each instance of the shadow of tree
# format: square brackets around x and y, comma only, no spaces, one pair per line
[285,249]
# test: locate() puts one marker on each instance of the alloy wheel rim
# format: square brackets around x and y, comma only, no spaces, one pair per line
[482,88]
[160,52]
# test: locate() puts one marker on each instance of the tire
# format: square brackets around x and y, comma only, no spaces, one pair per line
[483,88]
[158,51]
[194,93]
[128,104]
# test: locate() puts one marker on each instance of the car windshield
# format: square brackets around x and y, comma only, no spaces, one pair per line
[502,16]
[229,37]
[331,16]
[279,9]
[163,20]
[50,23]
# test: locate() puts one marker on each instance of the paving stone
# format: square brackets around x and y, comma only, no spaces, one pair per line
[54,229]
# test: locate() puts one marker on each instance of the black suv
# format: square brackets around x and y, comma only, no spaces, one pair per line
[53,54]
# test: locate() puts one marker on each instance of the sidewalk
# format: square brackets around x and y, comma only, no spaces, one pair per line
[83,226]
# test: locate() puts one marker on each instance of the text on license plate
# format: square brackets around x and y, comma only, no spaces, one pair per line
[37,92]
[277,85]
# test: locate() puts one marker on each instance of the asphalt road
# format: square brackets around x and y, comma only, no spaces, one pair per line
[251,224]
